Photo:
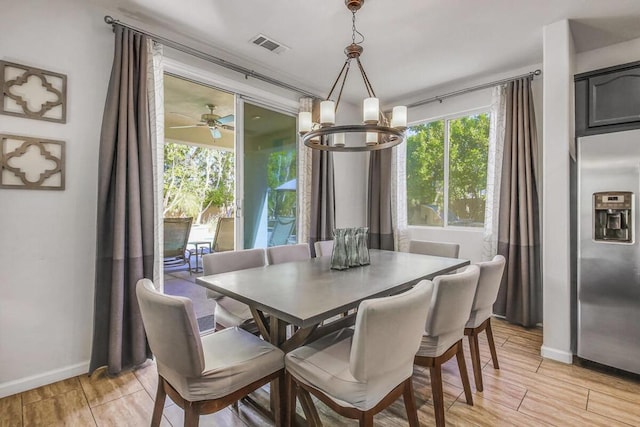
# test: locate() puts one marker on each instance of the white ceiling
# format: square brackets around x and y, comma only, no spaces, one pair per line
[410,45]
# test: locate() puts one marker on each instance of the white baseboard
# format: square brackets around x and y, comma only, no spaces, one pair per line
[555,354]
[34,381]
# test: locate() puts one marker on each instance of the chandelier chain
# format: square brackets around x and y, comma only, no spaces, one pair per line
[354,30]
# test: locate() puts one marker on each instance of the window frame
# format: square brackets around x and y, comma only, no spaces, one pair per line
[446,118]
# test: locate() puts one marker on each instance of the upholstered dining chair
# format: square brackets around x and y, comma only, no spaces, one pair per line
[230,312]
[481,310]
[323,248]
[288,253]
[443,249]
[359,372]
[451,301]
[201,374]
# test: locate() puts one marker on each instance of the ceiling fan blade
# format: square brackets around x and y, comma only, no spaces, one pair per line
[185,127]
[228,127]
[226,119]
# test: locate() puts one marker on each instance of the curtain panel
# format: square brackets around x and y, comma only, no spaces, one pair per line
[380,209]
[323,212]
[125,217]
[520,295]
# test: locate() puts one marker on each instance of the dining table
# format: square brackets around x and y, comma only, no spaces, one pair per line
[308,294]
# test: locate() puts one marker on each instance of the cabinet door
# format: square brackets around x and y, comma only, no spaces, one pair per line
[614,98]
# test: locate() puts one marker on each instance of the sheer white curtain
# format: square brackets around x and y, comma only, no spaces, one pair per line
[317,193]
[494,172]
[155,95]
[399,198]
[305,167]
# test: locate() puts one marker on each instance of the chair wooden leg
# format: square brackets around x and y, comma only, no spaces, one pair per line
[410,403]
[492,345]
[310,411]
[438,395]
[292,392]
[366,419]
[280,410]
[191,415]
[159,404]
[462,366]
[475,360]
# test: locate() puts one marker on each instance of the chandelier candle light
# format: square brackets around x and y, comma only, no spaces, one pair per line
[379,132]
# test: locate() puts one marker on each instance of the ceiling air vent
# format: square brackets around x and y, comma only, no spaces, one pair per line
[269,44]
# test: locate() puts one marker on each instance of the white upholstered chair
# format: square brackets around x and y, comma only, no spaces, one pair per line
[323,248]
[481,311]
[288,253]
[443,249]
[230,312]
[201,374]
[359,372]
[450,304]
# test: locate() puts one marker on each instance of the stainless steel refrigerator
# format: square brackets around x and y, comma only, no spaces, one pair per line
[608,250]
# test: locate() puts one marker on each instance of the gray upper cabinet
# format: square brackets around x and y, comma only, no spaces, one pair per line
[608,100]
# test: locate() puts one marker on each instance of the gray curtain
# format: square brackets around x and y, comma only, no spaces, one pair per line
[323,212]
[124,252]
[379,200]
[520,295]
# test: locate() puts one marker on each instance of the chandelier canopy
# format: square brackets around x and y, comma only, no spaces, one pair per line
[379,132]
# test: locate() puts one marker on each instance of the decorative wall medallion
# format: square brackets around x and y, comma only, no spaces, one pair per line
[31,163]
[33,93]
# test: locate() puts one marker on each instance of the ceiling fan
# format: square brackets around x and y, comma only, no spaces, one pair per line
[213,121]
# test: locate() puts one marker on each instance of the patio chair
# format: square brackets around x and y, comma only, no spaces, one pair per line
[282,231]
[225,235]
[176,236]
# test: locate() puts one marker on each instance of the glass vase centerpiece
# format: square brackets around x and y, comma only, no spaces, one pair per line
[350,248]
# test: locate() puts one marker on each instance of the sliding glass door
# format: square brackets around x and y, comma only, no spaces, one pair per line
[199,167]
[267,185]
[230,166]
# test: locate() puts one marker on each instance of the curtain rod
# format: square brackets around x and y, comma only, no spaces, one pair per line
[473,88]
[207,57]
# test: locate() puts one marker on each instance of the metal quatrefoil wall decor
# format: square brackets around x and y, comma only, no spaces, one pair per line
[31,163]
[33,93]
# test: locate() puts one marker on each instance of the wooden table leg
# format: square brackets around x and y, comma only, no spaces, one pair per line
[277,336]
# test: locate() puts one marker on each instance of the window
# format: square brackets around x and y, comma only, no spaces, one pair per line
[447,171]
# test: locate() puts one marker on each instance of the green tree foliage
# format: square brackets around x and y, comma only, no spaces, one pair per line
[281,167]
[425,172]
[468,151]
[196,178]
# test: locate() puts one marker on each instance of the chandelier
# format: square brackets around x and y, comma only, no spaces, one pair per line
[379,132]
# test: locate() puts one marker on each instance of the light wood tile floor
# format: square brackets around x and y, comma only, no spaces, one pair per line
[527,390]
